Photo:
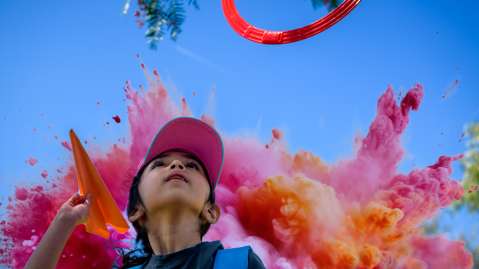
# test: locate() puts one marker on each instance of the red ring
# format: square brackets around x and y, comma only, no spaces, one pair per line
[250,32]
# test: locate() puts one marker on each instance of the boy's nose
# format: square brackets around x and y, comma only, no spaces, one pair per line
[176,164]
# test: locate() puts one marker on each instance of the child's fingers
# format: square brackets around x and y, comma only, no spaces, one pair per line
[77,198]
[88,199]
[74,198]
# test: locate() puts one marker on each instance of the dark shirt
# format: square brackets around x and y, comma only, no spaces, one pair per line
[200,256]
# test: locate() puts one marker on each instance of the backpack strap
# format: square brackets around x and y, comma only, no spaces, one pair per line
[232,258]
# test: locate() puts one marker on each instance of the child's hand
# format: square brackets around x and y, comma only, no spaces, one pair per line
[75,209]
[71,213]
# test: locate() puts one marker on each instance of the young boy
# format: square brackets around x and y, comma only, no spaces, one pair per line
[171,206]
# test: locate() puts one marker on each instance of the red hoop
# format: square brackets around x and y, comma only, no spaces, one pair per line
[250,32]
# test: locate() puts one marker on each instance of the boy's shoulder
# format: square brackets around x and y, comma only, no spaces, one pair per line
[254,262]
[214,255]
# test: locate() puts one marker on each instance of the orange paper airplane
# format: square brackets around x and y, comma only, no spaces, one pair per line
[103,208]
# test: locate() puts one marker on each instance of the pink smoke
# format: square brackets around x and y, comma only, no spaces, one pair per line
[293,209]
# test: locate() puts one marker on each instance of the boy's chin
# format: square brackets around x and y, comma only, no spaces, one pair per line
[176,198]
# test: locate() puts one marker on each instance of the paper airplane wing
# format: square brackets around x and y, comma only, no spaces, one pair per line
[103,209]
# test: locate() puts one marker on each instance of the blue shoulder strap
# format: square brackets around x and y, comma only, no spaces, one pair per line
[232,258]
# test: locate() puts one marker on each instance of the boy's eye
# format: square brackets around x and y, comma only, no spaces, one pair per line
[157,163]
[192,165]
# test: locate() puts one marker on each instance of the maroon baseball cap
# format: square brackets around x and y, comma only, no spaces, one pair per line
[193,136]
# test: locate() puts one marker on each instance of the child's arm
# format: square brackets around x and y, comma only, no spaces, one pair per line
[72,212]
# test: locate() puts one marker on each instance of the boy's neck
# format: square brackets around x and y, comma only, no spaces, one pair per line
[172,230]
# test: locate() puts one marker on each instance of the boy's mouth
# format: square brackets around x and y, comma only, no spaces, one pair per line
[176,176]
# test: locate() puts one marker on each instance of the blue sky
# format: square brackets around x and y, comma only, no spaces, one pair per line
[58,58]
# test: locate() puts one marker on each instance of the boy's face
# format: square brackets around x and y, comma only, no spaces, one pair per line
[174,179]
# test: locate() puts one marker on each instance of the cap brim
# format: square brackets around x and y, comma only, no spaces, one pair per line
[194,136]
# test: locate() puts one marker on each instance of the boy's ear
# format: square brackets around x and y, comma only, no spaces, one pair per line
[212,213]
[138,214]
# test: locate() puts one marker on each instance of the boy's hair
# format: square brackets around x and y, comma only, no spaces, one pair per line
[140,255]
